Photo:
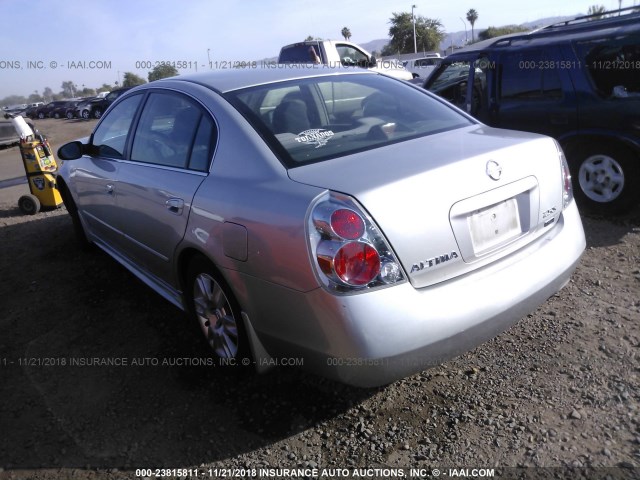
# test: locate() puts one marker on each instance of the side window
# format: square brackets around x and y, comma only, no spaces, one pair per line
[613,65]
[203,145]
[111,136]
[167,131]
[343,100]
[450,82]
[529,76]
[351,56]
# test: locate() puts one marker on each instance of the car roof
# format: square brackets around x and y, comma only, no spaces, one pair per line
[579,28]
[238,78]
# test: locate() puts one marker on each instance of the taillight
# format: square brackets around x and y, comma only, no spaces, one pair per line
[357,263]
[347,224]
[347,248]
[567,189]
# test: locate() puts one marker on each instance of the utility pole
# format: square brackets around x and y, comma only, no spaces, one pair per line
[465,31]
[413,19]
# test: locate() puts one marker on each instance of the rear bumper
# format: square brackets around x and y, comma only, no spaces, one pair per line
[378,337]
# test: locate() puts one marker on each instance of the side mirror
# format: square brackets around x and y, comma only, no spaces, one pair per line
[71,151]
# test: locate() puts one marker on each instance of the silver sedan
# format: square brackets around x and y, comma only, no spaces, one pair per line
[337,219]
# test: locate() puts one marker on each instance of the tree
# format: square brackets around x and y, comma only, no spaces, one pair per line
[13,100]
[596,11]
[346,33]
[162,71]
[68,89]
[472,16]
[311,37]
[104,88]
[131,80]
[87,92]
[47,95]
[492,32]
[429,34]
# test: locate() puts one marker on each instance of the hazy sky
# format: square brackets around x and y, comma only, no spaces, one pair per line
[46,42]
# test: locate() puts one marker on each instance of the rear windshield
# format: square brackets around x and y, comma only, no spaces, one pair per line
[312,120]
[300,53]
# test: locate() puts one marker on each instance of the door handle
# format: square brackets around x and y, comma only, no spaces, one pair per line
[175,205]
[109,188]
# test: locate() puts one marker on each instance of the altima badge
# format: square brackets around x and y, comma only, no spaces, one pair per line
[432,262]
[494,170]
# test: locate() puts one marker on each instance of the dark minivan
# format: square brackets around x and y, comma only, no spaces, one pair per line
[577,81]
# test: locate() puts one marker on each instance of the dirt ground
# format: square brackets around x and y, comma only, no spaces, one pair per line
[556,395]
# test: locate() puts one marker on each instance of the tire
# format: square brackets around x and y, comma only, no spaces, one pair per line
[606,178]
[214,308]
[56,115]
[69,115]
[29,204]
[40,115]
[97,113]
[85,114]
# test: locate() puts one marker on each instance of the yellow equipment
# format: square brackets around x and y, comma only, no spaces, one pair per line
[40,166]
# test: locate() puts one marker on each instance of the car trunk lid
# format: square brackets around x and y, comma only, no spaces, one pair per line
[451,202]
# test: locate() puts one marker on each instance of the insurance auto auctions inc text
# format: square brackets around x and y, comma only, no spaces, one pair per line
[350,473]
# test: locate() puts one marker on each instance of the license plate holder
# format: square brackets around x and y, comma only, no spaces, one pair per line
[494,225]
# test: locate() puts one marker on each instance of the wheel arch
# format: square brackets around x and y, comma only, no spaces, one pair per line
[614,189]
[257,349]
[62,187]
[573,143]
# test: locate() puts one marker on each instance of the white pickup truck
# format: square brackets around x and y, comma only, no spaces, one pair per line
[338,53]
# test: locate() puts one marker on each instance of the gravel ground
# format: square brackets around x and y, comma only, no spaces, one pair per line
[556,395]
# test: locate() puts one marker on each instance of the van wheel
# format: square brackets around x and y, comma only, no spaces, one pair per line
[606,178]
[212,304]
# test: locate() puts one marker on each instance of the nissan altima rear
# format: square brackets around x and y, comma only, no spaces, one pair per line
[346,219]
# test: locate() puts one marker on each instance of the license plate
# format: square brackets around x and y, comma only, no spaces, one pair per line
[494,225]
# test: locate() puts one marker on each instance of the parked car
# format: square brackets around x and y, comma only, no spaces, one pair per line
[83,108]
[100,105]
[46,111]
[15,109]
[576,81]
[65,110]
[8,134]
[31,108]
[30,111]
[349,220]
